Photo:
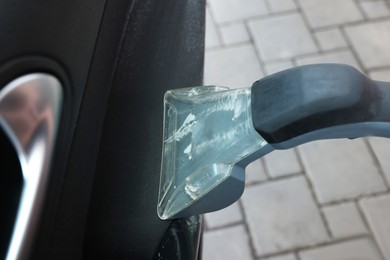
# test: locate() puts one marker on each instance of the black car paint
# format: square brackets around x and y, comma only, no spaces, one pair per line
[115,59]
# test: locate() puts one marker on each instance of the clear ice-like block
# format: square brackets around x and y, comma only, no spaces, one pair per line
[207,130]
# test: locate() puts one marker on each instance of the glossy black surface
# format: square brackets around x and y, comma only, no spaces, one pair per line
[181,240]
[11,182]
[115,60]
[162,48]
[57,37]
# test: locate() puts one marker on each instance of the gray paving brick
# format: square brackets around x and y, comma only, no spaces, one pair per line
[281,5]
[281,257]
[354,249]
[234,33]
[282,162]
[281,37]
[255,172]
[228,244]
[377,212]
[371,42]
[344,220]
[331,39]
[282,215]
[226,216]
[342,56]
[277,66]
[233,67]
[212,37]
[381,147]
[330,12]
[340,169]
[375,9]
[233,10]
[381,74]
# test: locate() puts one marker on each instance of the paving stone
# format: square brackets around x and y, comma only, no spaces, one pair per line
[266,220]
[371,42]
[255,172]
[281,257]
[234,33]
[282,215]
[226,216]
[381,74]
[375,9]
[331,39]
[340,169]
[363,249]
[282,162]
[281,37]
[345,57]
[233,67]
[281,5]
[233,10]
[212,37]
[274,67]
[344,220]
[227,244]
[330,12]
[381,147]
[377,212]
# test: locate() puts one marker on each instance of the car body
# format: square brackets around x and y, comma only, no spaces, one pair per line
[115,60]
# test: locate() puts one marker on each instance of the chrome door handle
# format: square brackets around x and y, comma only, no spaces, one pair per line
[30,109]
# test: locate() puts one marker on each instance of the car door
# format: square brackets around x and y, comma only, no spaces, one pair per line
[113,61]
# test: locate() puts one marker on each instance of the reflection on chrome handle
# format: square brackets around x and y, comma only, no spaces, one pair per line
[29,113]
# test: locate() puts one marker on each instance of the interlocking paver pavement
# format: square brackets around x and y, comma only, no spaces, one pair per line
[381,74]
[282,215]
[323,13]
[282,163]
[340,56]
[229,243]
[274,67]
[329,202]
[234,33]
[381,148]
[276,6]
[371,42]
[341,169]
[281,37]
[212,37]
[282,257]
[344,220]
[330,39]
[377,211]
[375,9]
[255,172]
[221,66]
[233,10]
[228,216]
[348,250]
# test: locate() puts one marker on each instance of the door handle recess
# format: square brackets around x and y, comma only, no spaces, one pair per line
[30,109]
